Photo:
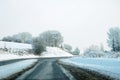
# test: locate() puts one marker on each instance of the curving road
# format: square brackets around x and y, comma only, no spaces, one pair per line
[46,69]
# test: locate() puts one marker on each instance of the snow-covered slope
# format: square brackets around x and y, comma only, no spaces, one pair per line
[14,50]
[14,45]
[106,66]
[55,52]
[50,51]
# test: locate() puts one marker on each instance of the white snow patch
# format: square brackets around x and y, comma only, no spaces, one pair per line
[14,45]
[55,52]
[10,69]
[106,66]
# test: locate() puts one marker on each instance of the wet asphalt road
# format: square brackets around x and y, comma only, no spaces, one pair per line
[46,69]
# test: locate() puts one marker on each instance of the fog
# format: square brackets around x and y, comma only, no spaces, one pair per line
[81,22]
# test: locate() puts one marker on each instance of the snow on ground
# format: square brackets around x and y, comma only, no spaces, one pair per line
[6,55]
[55,52]
[50,52]
[10,69]
[106,66]
[14,45]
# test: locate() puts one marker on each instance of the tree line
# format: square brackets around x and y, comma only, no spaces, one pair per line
[55,39]
[23,37]
[113,41]
[48,38]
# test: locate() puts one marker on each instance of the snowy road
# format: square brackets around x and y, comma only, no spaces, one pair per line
[46,69]
[49,69]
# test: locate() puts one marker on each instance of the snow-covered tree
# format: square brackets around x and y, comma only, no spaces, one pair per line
[48,38]
[51,38]
[8,38]
[101,47]
[114,39]
[38,46]
[11,39]
[76,51]
[68,48]
[24,37]
[93,51]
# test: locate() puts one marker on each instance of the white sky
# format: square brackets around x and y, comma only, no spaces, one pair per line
[81,22]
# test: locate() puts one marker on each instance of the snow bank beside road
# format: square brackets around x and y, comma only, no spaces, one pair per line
[10,69]
[106,66]
[55,52]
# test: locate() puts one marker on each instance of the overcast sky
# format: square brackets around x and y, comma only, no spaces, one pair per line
[81,22]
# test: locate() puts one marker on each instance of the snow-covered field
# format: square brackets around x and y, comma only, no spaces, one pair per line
[14,45]
[55,52]
[50,51]
[10,69]
[6,55]
[106,66]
